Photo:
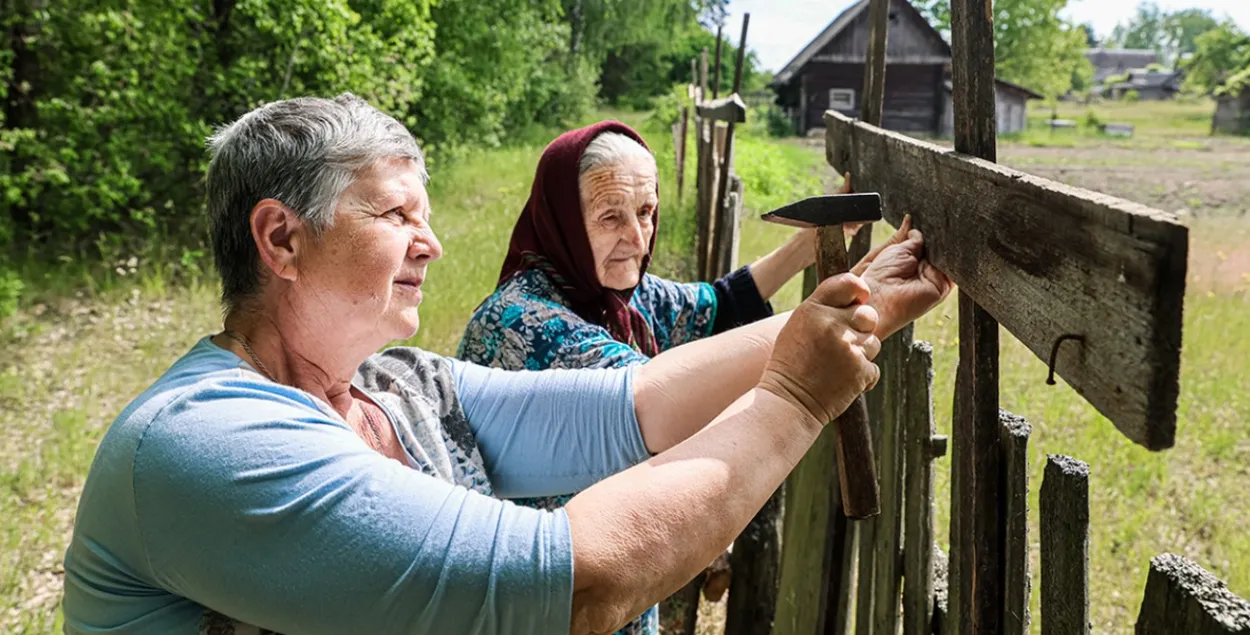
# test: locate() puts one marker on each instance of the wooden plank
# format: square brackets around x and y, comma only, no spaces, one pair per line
[724,234]
[976,549]
[1046,260]
[873,97]
[1064,509]
[1182,598]
[804,564]
[866,529]
[703,73]
[755,564]
[889,429]
[716,76]
[729,215]
[918,544]
[706,184]
[730,108]
[1014,443]
[840,588]
[976,502]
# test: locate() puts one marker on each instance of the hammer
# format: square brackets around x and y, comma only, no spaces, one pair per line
[857,471]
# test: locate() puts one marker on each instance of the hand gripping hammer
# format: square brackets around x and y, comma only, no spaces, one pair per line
[857,471]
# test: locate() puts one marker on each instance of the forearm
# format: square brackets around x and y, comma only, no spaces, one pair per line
[775,269]
[680,390]
[641,534]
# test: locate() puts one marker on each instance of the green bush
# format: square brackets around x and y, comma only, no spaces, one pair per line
[1092,121]
[1131,96]
[11,287]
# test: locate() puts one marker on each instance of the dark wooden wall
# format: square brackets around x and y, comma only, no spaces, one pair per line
[913,94]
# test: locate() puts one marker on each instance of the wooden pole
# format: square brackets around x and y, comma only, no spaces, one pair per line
[681,150]
[922,447]
[716,73]
[873,98]
[1014,440]
[724,233]
[977,558]
[1064,503]
[703,184]
[889,430]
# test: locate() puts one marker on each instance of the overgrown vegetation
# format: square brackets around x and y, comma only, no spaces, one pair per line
[106,104]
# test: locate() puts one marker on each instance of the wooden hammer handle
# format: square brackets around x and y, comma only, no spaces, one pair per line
[857,468]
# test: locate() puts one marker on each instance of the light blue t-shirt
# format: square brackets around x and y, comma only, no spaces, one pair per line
[221,502]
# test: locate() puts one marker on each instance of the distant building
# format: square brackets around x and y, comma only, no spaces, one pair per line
[1149,84]
[1109,62]
[829,74]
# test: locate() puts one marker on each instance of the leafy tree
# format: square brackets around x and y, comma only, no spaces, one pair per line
[1169,34]
[1221,61]
[1033,45]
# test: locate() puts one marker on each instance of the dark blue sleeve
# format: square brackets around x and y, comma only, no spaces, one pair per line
[738,301]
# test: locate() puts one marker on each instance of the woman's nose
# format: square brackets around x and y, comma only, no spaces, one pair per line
[425,244]
[637,234]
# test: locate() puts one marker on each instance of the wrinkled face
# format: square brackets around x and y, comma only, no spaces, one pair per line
[618,206]
[365,272]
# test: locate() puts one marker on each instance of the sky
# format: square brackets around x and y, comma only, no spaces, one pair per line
[779,29]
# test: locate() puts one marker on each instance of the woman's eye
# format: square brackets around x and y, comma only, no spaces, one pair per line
[394,213]
[645,212]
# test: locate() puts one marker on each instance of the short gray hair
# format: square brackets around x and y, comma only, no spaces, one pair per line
[303,152]
[610,148]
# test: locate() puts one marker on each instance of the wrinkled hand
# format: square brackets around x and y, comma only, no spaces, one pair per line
[822,358]
[905,285]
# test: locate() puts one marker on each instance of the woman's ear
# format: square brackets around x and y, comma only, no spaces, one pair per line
[280,235]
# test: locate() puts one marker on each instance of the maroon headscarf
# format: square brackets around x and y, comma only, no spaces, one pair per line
[551,236]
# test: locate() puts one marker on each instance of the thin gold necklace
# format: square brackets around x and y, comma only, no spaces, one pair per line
[251,353]
[370,424]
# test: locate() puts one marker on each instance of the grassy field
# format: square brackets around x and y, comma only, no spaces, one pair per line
[79,348]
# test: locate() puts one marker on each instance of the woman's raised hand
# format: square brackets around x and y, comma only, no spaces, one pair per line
[823,356]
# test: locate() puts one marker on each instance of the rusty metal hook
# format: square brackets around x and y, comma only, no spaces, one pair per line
[1054,351]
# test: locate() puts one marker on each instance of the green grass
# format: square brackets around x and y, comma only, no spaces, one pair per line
[1155,124]
[80,347]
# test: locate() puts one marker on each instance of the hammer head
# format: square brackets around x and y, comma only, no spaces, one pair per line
[834,209]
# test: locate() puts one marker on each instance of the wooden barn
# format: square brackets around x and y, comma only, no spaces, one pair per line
[829,74]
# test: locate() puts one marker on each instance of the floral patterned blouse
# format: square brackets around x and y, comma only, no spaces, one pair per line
[527,324]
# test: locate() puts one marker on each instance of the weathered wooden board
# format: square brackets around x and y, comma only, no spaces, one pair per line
[1064,503]
[977,505]
[755,565]
[1044,259]
[1182,598]
[730,108]
[810,497]
[1014,442]
[918,544]
[889,429]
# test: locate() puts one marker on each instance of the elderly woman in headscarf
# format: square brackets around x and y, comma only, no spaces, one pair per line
[284,476]
[574,291]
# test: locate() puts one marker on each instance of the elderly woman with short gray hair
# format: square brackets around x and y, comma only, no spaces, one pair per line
[285,477]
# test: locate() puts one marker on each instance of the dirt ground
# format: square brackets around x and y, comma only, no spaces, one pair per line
[1207,187]
[1204,181]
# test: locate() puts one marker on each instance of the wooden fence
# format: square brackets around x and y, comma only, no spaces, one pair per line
[1091,284]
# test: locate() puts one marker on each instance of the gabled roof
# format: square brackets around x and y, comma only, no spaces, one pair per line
[835,27]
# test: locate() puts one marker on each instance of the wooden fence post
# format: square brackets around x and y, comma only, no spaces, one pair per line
[1064,503]
[976,565]
[725,233]
[1014,443]
[890,430]
[1182,598]
[923,446]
